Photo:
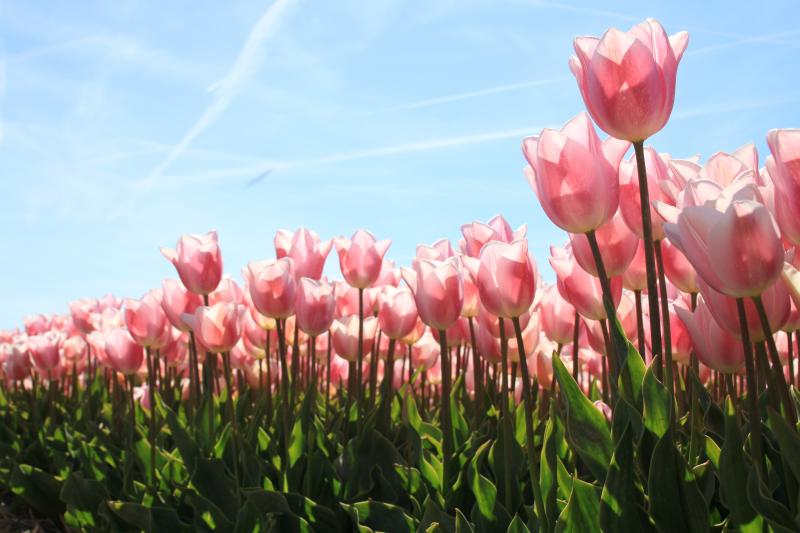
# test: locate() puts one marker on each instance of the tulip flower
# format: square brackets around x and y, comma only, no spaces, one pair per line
[784,170]
[272,287]
[305,249]
[44,350]
[177,301]
[124,354]
[617,248]
[438,291]
[627,79]
[147,321]
[397,314]
[476,234]
[345,336]
[713,345]
[315,306]
[574,174]
[583,290]
[198,261]
[216,327]
[360,258]
[737,252]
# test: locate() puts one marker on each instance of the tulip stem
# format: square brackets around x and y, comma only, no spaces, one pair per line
[668,378]
[649,252]
[226,368]
[533,467]
[639,322]
[447,426]
[151,391]
[386,388]
[576,333]
[618,343]
[508,472]
[281,325]
[777,367]
[477,370]
[360,362]
[752,394]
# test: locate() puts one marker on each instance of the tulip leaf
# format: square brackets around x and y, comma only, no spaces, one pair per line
[586,428]
[676,502]
[733,470]
[582,509]
[656,401]
[620,507]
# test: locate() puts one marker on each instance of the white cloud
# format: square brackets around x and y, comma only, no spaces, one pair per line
[225,91]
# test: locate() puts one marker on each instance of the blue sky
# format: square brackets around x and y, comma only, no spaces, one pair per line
[124,124]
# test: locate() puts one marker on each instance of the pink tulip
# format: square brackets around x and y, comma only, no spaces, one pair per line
[491,323]
[315,306]
[438,291]
[344,333]
[471,294]
[228,292]
[416,333]
[724,168]
[635,276]
[627,79]
[439,251]
[425,353]
[82,311]
[360,258]
[574,174]
[737,252]
[677,268]
[713,345]
[177,301]
[725,312]
[784,169]
[476,234]
[175,351]
[557,316]
[217,327]
[583,290]
[347,299]
[37,324]
[272,286]
[305,249]
[617,247]
[198,261]
[146,320]
[506,278]
[75,349]
[44,350]
[124,354]
[397,313]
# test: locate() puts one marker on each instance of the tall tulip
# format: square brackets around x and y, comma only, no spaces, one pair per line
[198,260]
[305,249]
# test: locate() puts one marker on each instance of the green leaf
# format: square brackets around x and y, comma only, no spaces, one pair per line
[587,431]
[380,516]
[487,513]
[462,524]
[583,507]
[733,470]
[434,515]
[38,488]
[620,499]
[548,474]
[778,516]
[148,519]
[517,526]
[676,502]
[656,401]
[82,497]
[788,440]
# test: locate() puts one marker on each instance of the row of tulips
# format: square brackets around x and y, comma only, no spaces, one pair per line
[614,391]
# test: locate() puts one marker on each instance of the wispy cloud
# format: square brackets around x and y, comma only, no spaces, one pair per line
[457,97]
[255,171]
[225,91]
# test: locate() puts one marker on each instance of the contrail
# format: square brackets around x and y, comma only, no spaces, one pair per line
[226,90]
[471,94]
[258,179]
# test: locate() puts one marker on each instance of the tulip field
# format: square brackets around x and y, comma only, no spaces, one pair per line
[651,387]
